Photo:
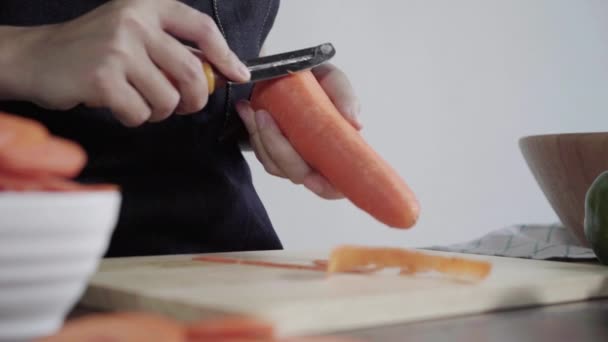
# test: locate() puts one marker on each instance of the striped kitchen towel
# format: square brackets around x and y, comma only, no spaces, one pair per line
[542,242]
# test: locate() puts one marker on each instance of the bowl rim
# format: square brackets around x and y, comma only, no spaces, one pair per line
[12,193]
[553,135]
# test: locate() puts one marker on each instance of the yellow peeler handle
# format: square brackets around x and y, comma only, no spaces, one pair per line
[213,81]
[210,75]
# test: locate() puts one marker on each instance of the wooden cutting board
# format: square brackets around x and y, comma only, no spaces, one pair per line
[309,302]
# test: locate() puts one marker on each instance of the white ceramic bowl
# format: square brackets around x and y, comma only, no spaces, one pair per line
[50,244]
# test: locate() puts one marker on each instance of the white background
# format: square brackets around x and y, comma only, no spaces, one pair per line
[448,88]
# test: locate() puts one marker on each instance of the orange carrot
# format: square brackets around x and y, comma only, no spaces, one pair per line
[17,131]
[27,147]
[324,139]
[148,327]
[31,159]
[233,328]
[56,156]
[122,327]
[19,182]
[345,258]
[46,183]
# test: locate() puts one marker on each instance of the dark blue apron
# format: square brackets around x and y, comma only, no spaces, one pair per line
[186,186]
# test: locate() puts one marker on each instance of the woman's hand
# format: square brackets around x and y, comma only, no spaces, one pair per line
[275,152]
[122,56]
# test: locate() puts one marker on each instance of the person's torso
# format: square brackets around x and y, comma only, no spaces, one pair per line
[200,179]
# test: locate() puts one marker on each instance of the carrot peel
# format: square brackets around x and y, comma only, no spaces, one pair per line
[345,258]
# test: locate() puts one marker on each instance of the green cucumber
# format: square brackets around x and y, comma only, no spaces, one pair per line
[596,217]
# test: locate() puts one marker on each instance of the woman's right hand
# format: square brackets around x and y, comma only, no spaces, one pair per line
[121,56]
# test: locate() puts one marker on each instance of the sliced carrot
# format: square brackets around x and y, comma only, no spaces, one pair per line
[27,147]
[16,131]
[228,329]
[45,183]
[345,258]
[324,139]
[120,327]
[56,156]
[19,182]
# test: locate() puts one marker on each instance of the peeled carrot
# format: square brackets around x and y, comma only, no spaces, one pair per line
[56,156]
[324,139]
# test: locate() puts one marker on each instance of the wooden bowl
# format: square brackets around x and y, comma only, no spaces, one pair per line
[565,165]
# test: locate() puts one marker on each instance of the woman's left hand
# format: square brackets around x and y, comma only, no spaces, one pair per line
[274,151]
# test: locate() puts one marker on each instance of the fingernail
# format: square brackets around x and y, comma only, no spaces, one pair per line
[313,186]
[263,119]
[357,122]
[355,112]
[242,107]
[244,71]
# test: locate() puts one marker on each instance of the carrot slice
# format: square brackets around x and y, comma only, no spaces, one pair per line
[319,133]
[45,183]
[345,258]
[233,328]
[16,131]
[120,327]
[19,182]
[56,156]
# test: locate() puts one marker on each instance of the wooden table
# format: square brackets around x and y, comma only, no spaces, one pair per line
[580,321]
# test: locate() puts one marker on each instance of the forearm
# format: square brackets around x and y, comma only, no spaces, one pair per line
[14,74]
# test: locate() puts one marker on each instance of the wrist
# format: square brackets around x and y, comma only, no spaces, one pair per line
[15,51]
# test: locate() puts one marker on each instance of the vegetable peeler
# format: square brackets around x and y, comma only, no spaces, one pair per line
[273,66]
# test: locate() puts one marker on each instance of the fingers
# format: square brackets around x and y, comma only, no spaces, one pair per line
[279,149]
[340,91]
[248,116]
[128,106]
[321,186]
[167,76]
[278,156]
[183,69]
[133,110]
[187,23]
[161,96]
